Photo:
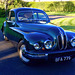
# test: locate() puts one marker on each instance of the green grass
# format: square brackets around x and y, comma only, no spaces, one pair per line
[1,21]
[61,13]
[65,23]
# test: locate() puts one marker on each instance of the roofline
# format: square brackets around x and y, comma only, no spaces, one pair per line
[16,9]
[25,8]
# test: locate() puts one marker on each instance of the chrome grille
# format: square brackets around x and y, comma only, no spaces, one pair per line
[65,42]
[62,42]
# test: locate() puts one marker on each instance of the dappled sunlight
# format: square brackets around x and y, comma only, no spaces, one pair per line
[9,56]
[4,45]
[69,27]
[65,23]
[7,50]
[73,21]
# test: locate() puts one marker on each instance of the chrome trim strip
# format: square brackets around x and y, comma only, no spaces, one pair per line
[62,38]
[38,55]
[66,42]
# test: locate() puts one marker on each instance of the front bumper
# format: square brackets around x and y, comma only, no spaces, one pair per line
[51,55]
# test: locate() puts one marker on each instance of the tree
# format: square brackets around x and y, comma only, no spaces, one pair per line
[9,4]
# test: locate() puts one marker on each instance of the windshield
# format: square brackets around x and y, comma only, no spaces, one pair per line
[32,17]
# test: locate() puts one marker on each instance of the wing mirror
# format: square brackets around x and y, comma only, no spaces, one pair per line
[13,23]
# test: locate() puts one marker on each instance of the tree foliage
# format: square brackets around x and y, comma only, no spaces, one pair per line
[10,4]
[14,4]
[54,6]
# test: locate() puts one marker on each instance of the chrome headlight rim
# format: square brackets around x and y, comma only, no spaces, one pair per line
[37,46]
[50,45]
[73,42]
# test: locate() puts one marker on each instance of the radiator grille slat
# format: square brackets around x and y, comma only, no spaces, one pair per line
[62,42]
[65,42]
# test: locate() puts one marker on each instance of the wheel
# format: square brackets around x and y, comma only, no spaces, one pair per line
[22,52]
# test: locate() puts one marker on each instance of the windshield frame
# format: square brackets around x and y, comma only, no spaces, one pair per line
[32,20]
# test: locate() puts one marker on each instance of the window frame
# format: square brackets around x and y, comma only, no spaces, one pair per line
[10,15]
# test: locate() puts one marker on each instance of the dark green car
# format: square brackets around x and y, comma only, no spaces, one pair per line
[38,40]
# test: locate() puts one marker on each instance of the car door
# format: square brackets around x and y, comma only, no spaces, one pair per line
[10,23]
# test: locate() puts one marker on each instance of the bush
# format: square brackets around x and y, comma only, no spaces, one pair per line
[54,6]
[2,12]
[69,7]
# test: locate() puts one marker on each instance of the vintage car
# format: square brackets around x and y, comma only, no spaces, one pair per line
[38,39]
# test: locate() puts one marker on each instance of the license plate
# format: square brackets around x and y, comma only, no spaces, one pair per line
[65,58]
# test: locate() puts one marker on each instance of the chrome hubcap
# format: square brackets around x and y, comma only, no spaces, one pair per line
[22,51]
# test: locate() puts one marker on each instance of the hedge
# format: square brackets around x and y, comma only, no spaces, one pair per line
[54,6]
[57,6]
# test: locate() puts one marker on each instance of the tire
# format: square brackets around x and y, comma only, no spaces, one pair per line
[21,52]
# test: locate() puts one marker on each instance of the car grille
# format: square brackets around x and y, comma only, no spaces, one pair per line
[62,42]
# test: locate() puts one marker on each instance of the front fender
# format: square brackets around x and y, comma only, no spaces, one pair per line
[35,37]
[70,35]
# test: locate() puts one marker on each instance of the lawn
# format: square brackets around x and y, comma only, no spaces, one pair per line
[65,23]
[61,13]
[1,21]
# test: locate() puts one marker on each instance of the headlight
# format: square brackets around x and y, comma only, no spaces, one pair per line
[36,46]
[48,44]
[73,42]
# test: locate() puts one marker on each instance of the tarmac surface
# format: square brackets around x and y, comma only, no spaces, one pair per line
[10,64]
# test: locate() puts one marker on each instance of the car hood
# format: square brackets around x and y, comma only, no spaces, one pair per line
[41,28]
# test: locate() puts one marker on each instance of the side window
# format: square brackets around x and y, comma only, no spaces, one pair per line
[12,16]
[41,16]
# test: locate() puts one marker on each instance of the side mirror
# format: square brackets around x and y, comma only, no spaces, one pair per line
[13,23]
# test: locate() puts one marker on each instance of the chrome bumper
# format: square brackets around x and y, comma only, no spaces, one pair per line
[50,55]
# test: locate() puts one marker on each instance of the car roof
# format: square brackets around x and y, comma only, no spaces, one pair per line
[24,8]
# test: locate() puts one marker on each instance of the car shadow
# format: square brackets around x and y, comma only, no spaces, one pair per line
[6,47]
[10,64]
[15,66]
